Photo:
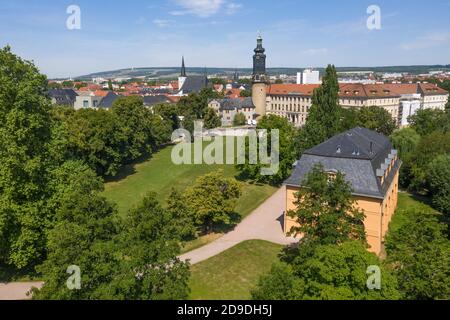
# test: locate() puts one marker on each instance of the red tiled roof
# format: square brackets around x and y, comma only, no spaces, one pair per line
[284,89]
[352,90]
[101,93]
[431,89]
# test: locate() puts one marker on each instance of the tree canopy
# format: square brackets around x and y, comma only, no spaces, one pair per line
[419,253]
[325,210]
[331,272]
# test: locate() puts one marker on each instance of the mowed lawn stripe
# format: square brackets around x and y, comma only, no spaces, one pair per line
[234,273]
[160,175]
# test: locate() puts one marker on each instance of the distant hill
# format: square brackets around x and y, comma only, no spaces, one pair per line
[173,72]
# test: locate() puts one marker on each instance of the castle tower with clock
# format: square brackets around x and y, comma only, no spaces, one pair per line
[259,87]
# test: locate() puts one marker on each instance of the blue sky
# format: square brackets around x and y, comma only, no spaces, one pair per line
[221,33]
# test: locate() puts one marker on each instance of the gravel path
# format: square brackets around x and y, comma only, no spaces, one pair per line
[265,223]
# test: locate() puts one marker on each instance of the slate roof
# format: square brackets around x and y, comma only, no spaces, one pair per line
[194,84]
[152,100]
[232,104]
[108,101]
[359,154]
[63,96]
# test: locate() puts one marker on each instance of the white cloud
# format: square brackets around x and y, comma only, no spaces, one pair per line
[313,52]
[429,40]
[204,8]
[160,23]
[232,7]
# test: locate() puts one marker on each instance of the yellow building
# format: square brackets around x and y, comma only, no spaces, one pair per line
[370,165]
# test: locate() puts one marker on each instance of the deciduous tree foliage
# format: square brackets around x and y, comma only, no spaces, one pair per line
[325,210]
[419,253]
[373,118]
[133,259]
[212,200]
[25,136]
[426,121]
[239,119]
[331,272]
[323,121]
[211,119]
[437,176]
[183,221]
[150,269]
[286,152]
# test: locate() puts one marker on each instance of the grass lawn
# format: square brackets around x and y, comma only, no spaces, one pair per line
[406,203]
[160,175]
[233,273]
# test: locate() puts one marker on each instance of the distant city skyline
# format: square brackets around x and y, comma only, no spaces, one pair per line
[222,33]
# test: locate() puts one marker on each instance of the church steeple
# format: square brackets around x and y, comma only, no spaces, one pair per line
[259,61]
[183,68]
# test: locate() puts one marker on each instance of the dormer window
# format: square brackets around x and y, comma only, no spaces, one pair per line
[338,149]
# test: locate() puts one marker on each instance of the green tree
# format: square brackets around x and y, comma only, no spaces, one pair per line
[150,269]
[377,119]
[246,93]
[25,135]
[430,147]
[419,253]
[438,181]
[134,121]
[406,142]
[426,121]
[110,85]
[96,137]
[286,152]
[324,118]
[82,236]
[169,113]
[183,219]
[332,272]
[239,119]
[211,119]
[325,210]
[212,199]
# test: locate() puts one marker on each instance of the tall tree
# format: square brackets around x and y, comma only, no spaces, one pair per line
[211,119]
[183,220]
[24,140]
[426,121]
[324,117]
[331,272]
[325,210]
[150,269]
[438,182]
[286,152]
[212,199]
[419,253]
[134,122]
[82,236]
[239,119]
[406,142]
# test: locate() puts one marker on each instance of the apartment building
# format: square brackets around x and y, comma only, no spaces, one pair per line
[293,101]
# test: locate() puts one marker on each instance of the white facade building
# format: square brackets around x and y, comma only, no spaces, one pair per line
[308,77]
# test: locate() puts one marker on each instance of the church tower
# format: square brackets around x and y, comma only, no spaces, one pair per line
[259,87]
[182,78]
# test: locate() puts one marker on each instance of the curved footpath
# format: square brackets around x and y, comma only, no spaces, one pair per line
[265,223]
